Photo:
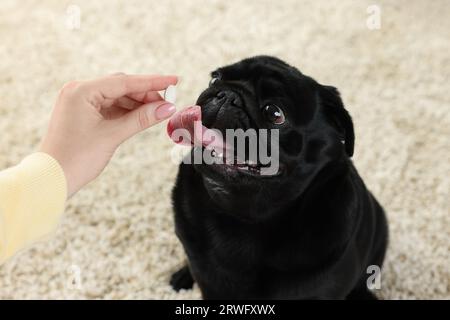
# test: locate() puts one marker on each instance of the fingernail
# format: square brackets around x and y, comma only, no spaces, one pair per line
[164,111]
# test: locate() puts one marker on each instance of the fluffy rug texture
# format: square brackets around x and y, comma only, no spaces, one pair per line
[116,239]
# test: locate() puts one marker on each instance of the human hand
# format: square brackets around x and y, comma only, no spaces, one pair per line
[92,118]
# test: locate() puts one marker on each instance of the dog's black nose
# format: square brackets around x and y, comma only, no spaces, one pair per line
[229,97]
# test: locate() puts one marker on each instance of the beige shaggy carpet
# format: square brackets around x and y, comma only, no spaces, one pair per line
[116,240]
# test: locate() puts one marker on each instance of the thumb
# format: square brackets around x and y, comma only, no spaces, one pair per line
[144,117]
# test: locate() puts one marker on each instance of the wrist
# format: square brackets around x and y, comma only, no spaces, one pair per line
[79,167]
[48,169]
[62,162]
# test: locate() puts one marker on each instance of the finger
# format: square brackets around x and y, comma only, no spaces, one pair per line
[144,117]
[127,103]
[117,86]
[123,101]
[146,97]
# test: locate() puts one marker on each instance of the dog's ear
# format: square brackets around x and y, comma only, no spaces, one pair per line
[331,99]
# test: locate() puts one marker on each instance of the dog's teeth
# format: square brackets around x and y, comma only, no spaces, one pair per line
[216,154]
[251,163]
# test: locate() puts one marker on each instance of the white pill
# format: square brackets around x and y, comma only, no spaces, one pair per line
[170,95]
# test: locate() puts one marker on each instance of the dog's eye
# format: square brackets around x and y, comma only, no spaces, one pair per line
[274,114]
[213,80]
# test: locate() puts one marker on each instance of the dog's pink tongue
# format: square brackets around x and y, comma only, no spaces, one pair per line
[190,119]
[186,119]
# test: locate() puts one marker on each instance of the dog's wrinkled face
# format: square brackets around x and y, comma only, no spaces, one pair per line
[263,92]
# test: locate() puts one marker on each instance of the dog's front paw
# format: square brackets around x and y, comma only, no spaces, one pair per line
[182,279]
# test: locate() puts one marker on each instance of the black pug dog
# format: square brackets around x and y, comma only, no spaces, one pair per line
[311,230]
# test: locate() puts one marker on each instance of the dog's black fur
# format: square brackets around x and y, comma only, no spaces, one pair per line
[309,232]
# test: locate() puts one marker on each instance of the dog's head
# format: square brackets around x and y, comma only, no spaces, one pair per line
[314,130]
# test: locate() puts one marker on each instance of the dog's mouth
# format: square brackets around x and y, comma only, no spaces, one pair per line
[229,162]
[186,128]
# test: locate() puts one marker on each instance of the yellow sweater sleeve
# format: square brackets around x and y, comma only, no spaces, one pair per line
[32,198]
